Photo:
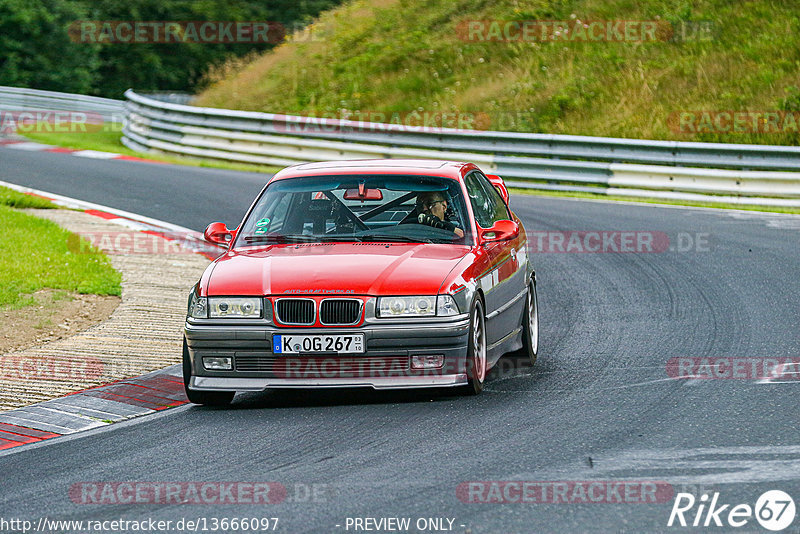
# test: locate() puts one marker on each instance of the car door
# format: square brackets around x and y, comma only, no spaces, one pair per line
[503,277]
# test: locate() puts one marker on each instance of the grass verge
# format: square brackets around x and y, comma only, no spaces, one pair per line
[109,141]
[16,199]
[648,200]
[39,256]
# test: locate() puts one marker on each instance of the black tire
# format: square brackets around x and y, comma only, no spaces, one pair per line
[530,326]
[476,350]
[207,398]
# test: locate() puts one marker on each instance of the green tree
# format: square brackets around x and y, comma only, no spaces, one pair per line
[181,66]
[36,50]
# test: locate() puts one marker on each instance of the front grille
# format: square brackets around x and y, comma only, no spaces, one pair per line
[296,311]
[340,311]
[323,366]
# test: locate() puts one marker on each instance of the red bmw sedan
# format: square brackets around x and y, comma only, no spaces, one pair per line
[371,273]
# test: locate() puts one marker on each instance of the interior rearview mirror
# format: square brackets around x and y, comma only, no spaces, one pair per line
[363,194]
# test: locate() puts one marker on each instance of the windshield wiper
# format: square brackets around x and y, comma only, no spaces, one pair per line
[296,238]
[292,238]
[395,238]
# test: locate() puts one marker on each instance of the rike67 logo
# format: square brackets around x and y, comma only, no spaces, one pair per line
[774,510]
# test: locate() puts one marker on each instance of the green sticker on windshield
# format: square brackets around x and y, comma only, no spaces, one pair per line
[260,231]
[263,222]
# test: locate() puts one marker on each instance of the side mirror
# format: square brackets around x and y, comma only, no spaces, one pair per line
[500,231]
[500,185]
[218,233]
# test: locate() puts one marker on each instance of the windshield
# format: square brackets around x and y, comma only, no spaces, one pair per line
[413,209]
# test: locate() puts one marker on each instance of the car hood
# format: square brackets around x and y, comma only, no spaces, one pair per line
[335,268]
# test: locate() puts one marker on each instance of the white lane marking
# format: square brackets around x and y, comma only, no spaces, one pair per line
[115,408]
[15,419]
[723,211]
[638,384]
[29,145]
[734,465]
[95,154]
[132,420]
[189,239]
[780,372]
[783,221]
[590,390]
[88,422]
[595,371]
[70,202]
[73,409]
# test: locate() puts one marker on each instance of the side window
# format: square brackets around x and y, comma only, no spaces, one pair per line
[479,201]
[486,201]
[499,211]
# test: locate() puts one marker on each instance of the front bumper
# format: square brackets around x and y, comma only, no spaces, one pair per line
[385,364]
[213,383]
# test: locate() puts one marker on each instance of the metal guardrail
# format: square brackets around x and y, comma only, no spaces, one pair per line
[712,172]
[22,99]
[753,174]
[172,97]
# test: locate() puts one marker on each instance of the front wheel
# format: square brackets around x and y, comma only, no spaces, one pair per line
[208,398]
[476,350]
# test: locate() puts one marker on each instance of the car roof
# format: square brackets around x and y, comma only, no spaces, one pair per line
[423,167]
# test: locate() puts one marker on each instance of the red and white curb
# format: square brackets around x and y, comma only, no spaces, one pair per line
[186,237]
[32,146]
[93,408]
[110,403]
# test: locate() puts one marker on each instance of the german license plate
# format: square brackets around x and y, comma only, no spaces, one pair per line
[296,344]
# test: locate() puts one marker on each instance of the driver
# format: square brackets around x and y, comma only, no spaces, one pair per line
[432,207]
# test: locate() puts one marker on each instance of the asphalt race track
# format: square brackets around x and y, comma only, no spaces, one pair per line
[153,190]
[600,404]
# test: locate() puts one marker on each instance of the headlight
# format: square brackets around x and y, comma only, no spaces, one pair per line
[225,307]
[198,307]
[422,306]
